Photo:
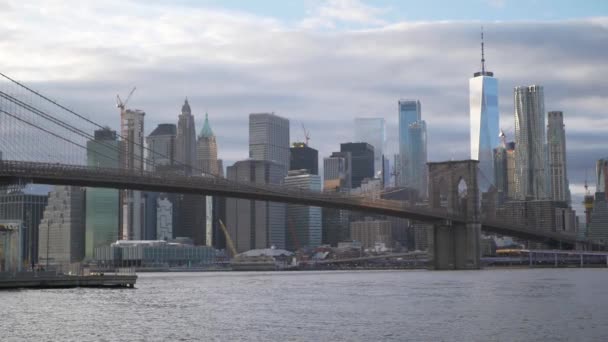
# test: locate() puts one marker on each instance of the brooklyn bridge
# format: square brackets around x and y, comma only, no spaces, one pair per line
[44,142]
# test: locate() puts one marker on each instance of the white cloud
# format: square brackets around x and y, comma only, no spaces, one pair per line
[231,64]
[329,12]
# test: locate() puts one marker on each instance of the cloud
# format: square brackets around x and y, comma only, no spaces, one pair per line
[230,64]
[331,12]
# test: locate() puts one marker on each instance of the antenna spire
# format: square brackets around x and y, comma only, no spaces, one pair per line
[483,59]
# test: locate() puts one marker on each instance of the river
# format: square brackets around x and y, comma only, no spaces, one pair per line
[488,305]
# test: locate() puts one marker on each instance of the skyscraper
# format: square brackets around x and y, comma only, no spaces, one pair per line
[62,229]
[337,170]
[418,157]
[206,150]
[409,112]
[484,120]
[102,205]
[373,132]
[185,152]
[269,138]
[132,158]
[556,144]
[303,222]
[303,157]
[207,163]
[362,161]
[530,180]
[256,224]
[161,146]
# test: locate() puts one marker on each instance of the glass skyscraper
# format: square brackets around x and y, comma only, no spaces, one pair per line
[409,113]
[102,205]
[417,152]
[373,132]
[484,120]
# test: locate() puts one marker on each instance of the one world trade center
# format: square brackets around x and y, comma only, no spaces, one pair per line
[484,117]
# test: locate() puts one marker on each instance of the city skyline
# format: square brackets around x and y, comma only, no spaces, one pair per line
[573,78]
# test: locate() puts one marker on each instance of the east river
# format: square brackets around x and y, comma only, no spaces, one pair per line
[488,305]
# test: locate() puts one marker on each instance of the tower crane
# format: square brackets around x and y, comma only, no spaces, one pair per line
[306,134]
[122,105]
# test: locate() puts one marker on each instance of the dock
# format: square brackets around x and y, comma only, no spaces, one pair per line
[46,280]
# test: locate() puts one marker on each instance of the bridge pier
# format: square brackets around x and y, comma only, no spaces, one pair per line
[453,187]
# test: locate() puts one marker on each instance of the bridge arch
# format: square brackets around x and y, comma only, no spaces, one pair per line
[456,182]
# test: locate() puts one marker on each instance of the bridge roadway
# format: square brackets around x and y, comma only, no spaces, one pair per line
[12,172]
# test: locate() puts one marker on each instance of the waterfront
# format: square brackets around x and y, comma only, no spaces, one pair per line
[489,305]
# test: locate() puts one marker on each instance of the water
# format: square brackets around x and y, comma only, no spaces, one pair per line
[490,305]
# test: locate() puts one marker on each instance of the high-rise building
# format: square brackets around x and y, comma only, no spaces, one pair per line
[504,170]
[370,232]
[62,229]
[269,138]
[597,229]
[602,175]
[303,222]
[207,163]
[161,146]
[362,161]
[206,150]
[373,132]
[164,218]
[27,207]
[337,172]
[484,121]
[409,113]
[303,157]
[102,205]
[256,224]
[132,158]
[185,141]
[417,169]
[161,156]
[556,144]
[530,155]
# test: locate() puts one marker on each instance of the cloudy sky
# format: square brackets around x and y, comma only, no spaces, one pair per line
[321,63]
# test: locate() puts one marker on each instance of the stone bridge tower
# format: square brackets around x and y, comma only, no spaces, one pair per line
[453,187]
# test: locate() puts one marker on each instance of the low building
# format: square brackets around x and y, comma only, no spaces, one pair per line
[154,253]
[369,232]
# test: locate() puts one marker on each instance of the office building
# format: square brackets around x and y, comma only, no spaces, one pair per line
[362,161]
[556,148]
[602,175]
[206,151]
[417,153]
[597,229]
[409,113]
[102,205]
[373,132]
[269,138]
[530,153]
[164,218]
[303,222]
[132,158]
[484,121]
[303,157]
[371,232]
[62,228]
[256,224]
[185,141]
[26,207]
[337,172]
[161,146]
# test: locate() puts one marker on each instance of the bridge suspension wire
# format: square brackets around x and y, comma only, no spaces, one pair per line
[143,159]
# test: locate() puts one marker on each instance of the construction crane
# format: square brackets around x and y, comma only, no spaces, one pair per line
[306,134]
[228,239]
[122,105]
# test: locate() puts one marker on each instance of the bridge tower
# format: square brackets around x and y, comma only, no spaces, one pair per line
[453,187]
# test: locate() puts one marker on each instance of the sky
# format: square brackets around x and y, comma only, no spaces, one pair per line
[320,63]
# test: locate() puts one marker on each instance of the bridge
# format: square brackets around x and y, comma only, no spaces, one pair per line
[45,142]
[12,172]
